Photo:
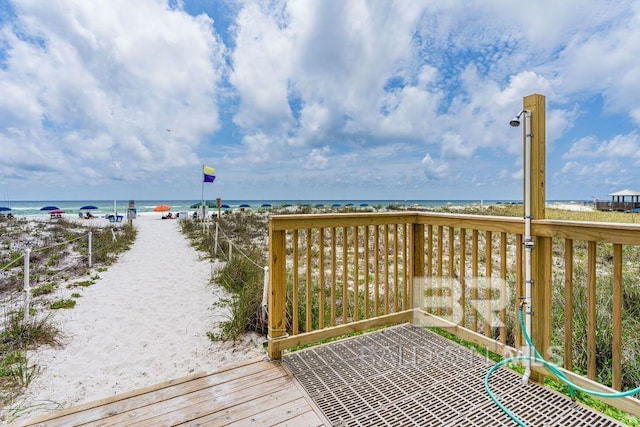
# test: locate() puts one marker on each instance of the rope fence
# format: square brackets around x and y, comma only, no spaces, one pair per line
[72,257]
[235,248]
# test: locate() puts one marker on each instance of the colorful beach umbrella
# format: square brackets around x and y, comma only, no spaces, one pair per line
[49,208]
[207,203]
[88,208]
[162,208]
[4,209]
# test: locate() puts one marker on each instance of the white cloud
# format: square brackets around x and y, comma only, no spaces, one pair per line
[434,169]
[620,146]
[361,86]
[98,81]
[317,159]
[258,148]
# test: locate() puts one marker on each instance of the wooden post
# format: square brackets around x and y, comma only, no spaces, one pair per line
[541,254]
[416,263]
[277,289]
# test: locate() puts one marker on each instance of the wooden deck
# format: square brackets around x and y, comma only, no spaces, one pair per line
[255,392]
[397,376]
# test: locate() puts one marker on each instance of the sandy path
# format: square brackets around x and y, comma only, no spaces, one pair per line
[144,322]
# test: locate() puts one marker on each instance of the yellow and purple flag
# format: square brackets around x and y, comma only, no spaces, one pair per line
[209,173]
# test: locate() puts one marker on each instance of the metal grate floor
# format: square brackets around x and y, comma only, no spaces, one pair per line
[407,375]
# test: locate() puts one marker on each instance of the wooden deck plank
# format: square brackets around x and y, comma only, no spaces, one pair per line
[308,419]
[122,403]
[243,410]
[50,418]
[185,407]
[275,415]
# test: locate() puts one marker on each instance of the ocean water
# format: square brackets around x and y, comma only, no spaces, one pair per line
[72,207]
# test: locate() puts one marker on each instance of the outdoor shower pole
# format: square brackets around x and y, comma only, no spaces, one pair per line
[528,241]
[540,295]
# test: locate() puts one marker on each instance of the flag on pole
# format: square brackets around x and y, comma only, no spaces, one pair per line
[209,174]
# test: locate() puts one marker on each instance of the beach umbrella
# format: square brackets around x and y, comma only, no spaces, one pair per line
[319,205]
[349,204]
[49,208]
[335,205]
[209,204]
[57,211]
[4,209]
[244,205]
[266,205]
[88,208]
[364,204]
[225,206]
[162,208]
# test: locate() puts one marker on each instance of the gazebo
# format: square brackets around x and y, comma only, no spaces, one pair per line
[623,200]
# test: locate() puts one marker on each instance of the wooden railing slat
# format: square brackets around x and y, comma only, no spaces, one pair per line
[307,323]
[366,272]
[616,341]
[334,272]
[345,276]
[568,304]
[488,278]
[294,280]
[474,274]
[503,287]
[321,280]
[385,260]
[356,290]
[462,276]
[396,284]
[591,311]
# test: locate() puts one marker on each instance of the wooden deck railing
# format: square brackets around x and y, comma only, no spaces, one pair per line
[617,206]
[333,274]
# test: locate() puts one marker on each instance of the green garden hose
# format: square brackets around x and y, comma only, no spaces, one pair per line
[552,368]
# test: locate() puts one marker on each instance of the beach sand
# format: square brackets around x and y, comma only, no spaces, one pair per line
[143,322]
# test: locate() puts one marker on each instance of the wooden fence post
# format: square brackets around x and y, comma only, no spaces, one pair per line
[416,260]
[541,254]
[277,289]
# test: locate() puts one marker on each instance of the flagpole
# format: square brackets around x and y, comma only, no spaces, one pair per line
[202,196]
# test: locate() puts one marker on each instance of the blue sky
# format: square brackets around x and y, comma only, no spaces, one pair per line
[314,99]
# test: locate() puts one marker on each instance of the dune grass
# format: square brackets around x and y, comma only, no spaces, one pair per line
[58,255]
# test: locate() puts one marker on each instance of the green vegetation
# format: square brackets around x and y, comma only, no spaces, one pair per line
[81,284]
[17,337]
[59,253]
[241,277]
[44,289]
[63,303]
